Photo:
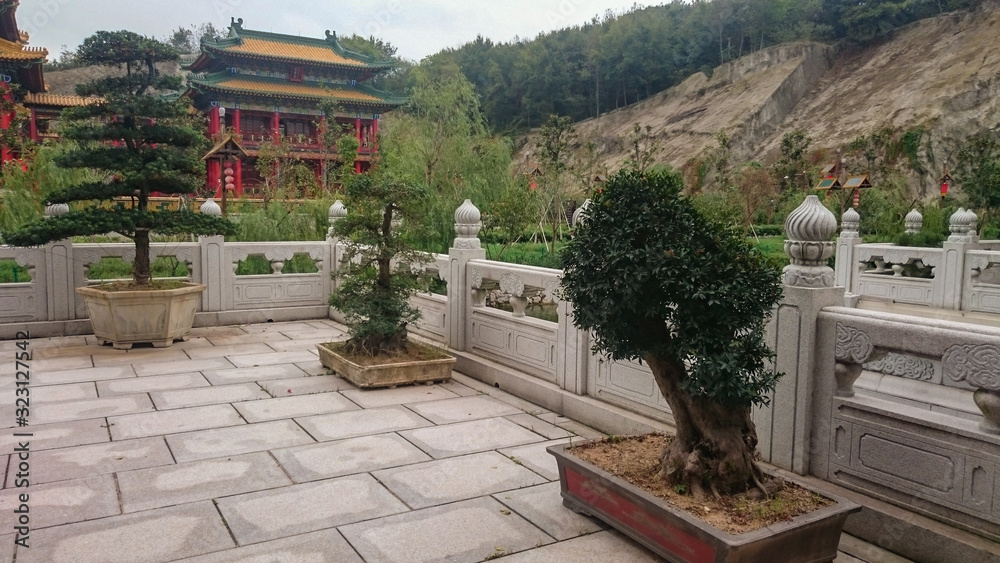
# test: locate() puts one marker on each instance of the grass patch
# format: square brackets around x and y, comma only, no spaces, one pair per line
[12,272]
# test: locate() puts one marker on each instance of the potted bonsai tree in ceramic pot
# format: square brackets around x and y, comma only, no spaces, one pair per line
[376,280]
[139,143]
[655,281]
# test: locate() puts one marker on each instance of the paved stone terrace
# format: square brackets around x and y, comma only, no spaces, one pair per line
[235,446]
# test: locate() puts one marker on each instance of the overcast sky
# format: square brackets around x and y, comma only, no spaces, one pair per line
[417,27]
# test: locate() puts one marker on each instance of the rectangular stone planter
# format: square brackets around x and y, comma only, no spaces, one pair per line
[680,537]
[386,375]
[158,316]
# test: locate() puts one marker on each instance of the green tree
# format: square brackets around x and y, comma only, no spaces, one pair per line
[978,174]
[139,144]
[374,295]
[657,282]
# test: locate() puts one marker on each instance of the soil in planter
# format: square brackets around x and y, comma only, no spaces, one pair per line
[153,285]
[637,460]
[412,353]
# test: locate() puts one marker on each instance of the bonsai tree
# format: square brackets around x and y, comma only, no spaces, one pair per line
[138,143]
[657,282]
[374,294]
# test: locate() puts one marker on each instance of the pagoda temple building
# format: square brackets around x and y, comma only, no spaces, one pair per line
[20,65]
[266,87]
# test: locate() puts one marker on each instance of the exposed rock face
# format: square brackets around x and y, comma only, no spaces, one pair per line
[940,74]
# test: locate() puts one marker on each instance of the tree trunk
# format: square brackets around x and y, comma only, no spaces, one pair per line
[140,266]
[715,446]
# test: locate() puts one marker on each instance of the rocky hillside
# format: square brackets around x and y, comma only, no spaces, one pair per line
[941,75]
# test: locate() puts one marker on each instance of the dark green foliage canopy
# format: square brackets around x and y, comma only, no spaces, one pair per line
[651,277]
[139,144]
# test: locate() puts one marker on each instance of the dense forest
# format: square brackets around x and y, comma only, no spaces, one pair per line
[619,59]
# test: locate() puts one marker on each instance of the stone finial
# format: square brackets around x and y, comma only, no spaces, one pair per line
[468,222]
[959,225]
[211,208]
[56,209]
[973,228]
[914,221]
[850,222]
[808,230]
[336,213]
[579,215]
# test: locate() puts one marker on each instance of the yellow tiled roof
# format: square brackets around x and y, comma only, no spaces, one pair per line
[281,50]
[295,89]
[42,99]
[17,52]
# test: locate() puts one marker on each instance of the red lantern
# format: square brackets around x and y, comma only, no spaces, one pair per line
[857,198]
[944,189]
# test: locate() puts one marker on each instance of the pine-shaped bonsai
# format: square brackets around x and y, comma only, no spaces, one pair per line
[139,141]
[655,281]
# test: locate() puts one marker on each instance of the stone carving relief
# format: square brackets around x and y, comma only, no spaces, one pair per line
[903,366]
[467,244]
[551,291]
[853,345]
[977,365]
[476,277]
[509,283]
[275,254]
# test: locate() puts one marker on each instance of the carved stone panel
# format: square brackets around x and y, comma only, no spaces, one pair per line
[975,364]
[853,345]
[905,366]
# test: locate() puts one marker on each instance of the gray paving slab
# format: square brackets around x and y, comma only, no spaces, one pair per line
[64,502]
[289,407]
[458,478]
[459,388]
[261,373]
[360,423]
[90,408]
[173,421]
[299,344]
[254,360]
[244,338]
[140,356]
[539,426]
[461,409]
[60,393]
[535,458]
[7,548]
[473,530]
[582,430]
[60,435]
[287,511]
[602,546]
[276,328]
[154,536]
[354,455]
[313,367]
[57,377]
[169,485]
[206,444]
[468,437]
[324,334]
[374,398]
[151,383]
[58,364]
[306,385]
[314,547]
[78,350]
[181,366]
[228,350]
[542,506]
[180,398]
[96,459]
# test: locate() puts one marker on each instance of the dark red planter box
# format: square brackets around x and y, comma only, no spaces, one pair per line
[680,537]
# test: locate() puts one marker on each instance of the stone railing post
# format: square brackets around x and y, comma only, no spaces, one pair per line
[215,270]
[950,274]
[847,270]
[56,272]
[572,344]
[465,247]
[336,213]
[784,428]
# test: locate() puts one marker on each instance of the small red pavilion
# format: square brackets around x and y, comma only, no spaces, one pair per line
[268,86]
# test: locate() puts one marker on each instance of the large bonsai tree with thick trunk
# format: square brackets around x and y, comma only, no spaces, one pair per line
[138,142]
[655,281]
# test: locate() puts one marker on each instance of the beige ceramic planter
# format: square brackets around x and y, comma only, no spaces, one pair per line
[386,375]
[158,316]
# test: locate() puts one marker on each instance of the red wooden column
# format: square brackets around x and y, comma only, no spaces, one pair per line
[357,129]
[34,125]
[5,121]
[276,126]
[375,134]
[214,166]
[238,167]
